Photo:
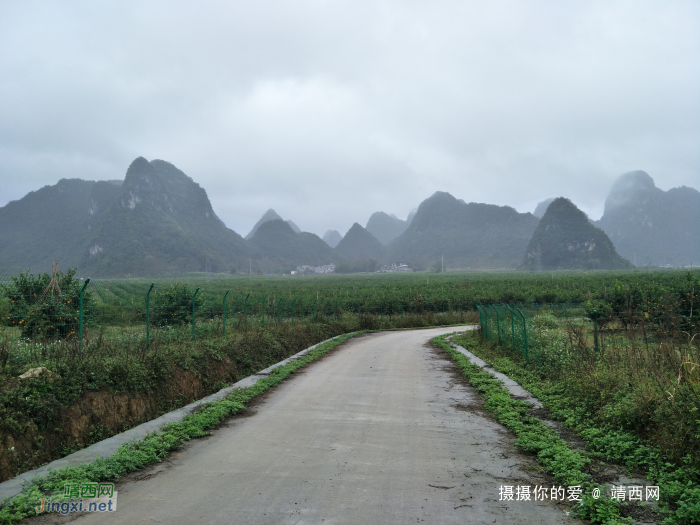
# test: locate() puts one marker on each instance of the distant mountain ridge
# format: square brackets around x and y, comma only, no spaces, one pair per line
[158,221]
[653,226]
[468,235]
[276,247]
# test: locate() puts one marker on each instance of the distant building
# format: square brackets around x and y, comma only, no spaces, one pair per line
[306,269]
[396,267]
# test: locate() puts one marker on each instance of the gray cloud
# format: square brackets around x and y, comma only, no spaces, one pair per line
[329,111]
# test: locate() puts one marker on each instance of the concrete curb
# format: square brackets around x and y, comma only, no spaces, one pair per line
[109,446]
[514,388]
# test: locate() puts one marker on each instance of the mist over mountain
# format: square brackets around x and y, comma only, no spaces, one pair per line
[332,238]
[385,227]
[54,222]
[276,247]
[652,226]
[542,207]
[161,222]
[468,235]
[566,240]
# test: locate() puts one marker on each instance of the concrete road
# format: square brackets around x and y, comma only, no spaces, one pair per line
[380,431]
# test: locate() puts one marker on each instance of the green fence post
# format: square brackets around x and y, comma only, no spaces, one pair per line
[279,310]
[294,301]
[335,315]
[315,300]
[80,329]
[512,325]
[381,312]
[401,309]
[148,316]
[595,325]
[527,355]
[359,313]
[227,291]
[193,296]
[498,324]
[262,323]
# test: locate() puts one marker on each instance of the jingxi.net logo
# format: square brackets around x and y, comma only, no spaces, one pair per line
[82,497]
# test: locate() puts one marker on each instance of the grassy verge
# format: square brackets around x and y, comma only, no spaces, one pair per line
[679,483]
[566,465]
[156,446]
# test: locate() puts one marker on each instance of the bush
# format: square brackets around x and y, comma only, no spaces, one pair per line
[41,312]
[603,308]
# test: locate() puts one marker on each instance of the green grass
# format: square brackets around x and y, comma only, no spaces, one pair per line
[679,481]
[156,446]
[566,465]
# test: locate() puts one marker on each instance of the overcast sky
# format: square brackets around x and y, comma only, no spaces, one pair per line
[328,111]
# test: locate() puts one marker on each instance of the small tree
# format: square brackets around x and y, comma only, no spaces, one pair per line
[174,305]
[39,310]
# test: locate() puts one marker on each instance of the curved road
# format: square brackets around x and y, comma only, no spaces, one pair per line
[380,431]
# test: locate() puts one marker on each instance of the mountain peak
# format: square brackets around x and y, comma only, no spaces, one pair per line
[332,238]
[565,239]
[360,244]
[385,227]
[269,215]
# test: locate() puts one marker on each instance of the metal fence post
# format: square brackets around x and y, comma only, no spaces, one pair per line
[527,355]
[498,324]
[359,313]
[335,315]
[294,301]
[193,296]
[227,291]
[595,325]
[263,310]
[512,326]
[148,316]
[315,300]
[245,310]
[80,329]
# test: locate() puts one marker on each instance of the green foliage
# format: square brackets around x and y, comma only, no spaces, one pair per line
[41,312]
[596,408]
[173,306]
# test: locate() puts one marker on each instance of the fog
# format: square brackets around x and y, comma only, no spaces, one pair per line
[329,111]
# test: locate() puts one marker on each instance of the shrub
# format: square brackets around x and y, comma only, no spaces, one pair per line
[42,312]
